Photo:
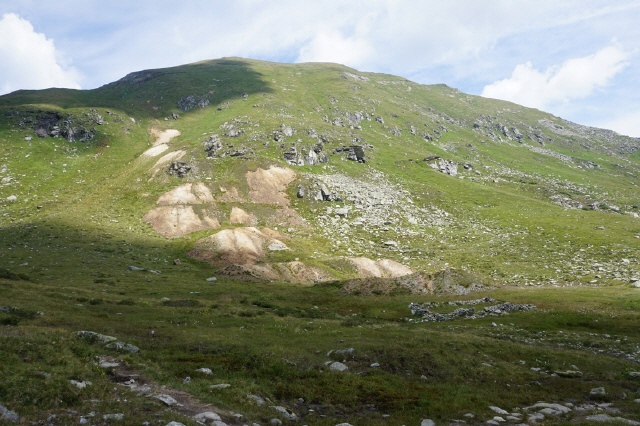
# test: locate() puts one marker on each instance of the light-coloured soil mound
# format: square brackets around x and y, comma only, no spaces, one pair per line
[190,193]
[294,272]
[299,272]
[269,186]
[239,216]
[164,136]
[175,215]
[161,141]
[179,220]
[156,150]
[383,268]
[239,246]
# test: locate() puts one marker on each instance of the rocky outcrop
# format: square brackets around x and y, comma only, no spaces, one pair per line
[447,167]
[187,103]
[212,146]
[179,168]
[308,157]
[72,127]
[353,153]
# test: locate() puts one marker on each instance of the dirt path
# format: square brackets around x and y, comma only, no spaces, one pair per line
[179,401]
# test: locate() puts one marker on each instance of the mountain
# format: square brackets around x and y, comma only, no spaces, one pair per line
[437,179]
[306,182]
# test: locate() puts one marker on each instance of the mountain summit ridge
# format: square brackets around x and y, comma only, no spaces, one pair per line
[432,148]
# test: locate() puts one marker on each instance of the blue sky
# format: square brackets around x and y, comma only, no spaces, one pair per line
[577,59]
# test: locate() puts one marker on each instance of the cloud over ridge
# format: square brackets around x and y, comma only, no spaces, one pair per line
[28,60]
[575,78]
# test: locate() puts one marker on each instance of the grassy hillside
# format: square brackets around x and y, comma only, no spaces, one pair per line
[532,208]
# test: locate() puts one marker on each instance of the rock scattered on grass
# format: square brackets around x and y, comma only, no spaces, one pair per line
[338,366]
[206,417]
[8,415]
[287,414]
[167,399]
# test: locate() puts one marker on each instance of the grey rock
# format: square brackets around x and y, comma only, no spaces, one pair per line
[80,384]
[189,102]
[204,370]
[287,414]
[173,423]
[597,392]
[257,399]
[116,416]
[212,146]
[338,366]
[8,415]
[12,198]
[179,168]
[634,374]
[605,418]
[556,407]
[427,422]
[550,412]
[287,130]
[569,373]
[275,422]
[220,386]
[106,363]
[211,279]
[498,410]
[136,268]
[535,417]
[348,351]
[94,337]
[206,417]
[123,347]
[167,399]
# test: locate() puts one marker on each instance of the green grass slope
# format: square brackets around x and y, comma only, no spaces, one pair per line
[545,209]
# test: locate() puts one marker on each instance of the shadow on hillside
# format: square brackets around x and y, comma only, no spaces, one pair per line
[57,253]
[157,93]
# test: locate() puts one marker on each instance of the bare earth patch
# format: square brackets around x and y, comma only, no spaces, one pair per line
[383,268]
[239,216]
[175,215]
[190,193]
[269,186]
[160,144]
[238,246]
[185,403]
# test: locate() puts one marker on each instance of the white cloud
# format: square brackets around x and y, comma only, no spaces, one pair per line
[333,46]
[575,78]
[28,60]
[626,124]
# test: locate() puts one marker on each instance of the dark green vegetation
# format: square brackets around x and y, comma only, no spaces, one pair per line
[546,209]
